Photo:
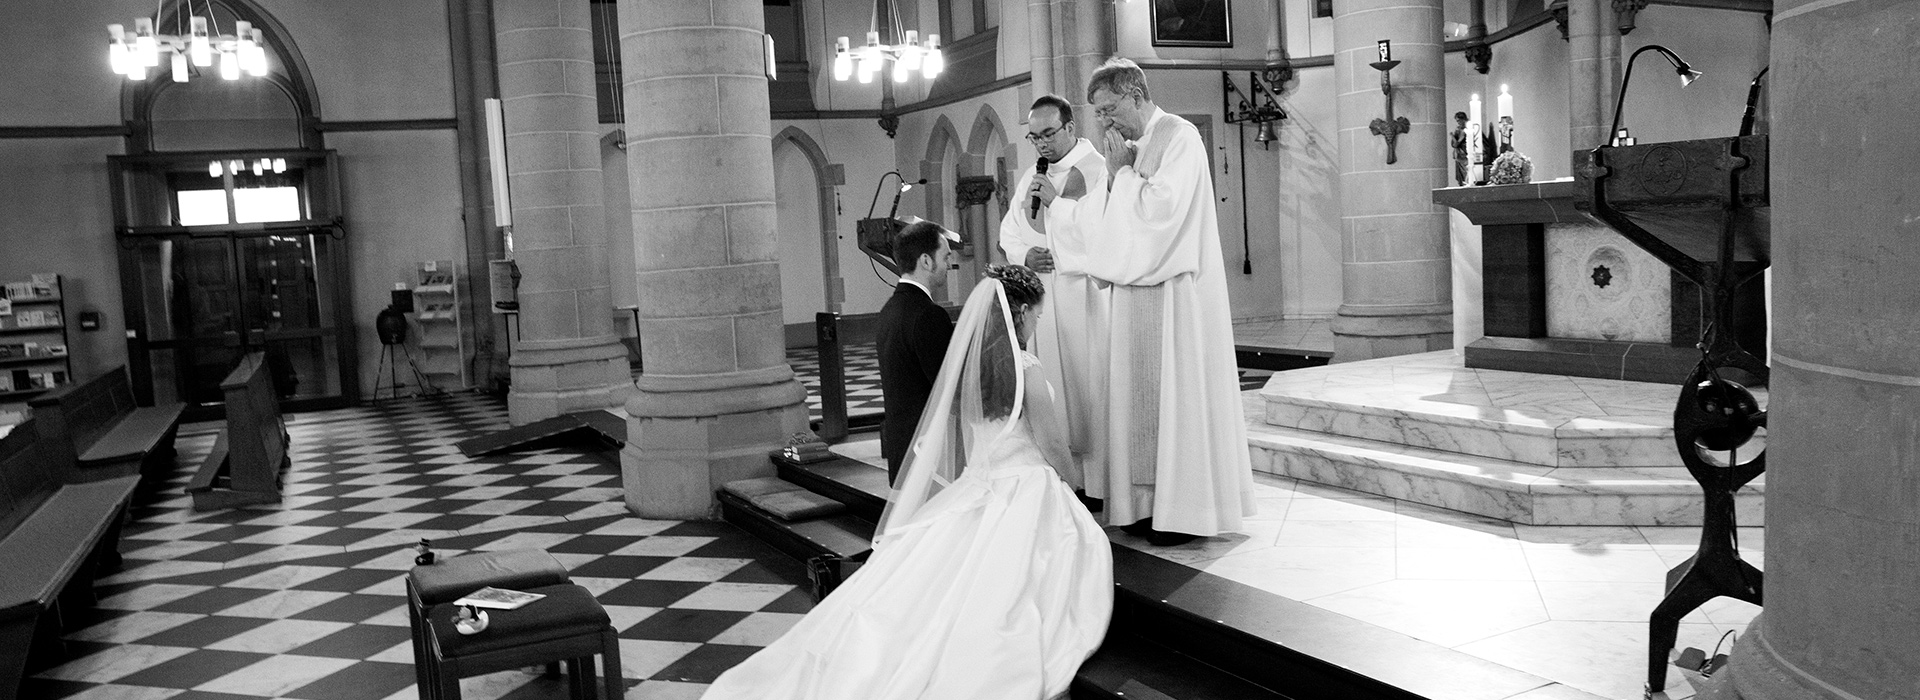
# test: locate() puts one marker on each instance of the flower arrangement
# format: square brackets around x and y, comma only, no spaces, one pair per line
[1511,168]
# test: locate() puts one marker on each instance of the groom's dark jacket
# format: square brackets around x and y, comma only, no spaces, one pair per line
[911,340]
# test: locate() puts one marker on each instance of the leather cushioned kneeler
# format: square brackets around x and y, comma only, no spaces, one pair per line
[567,610]
[518,570]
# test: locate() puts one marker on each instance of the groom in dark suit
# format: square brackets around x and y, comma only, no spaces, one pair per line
[912,336]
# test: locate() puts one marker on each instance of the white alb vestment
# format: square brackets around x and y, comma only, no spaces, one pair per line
[1060,338]
[1176,433]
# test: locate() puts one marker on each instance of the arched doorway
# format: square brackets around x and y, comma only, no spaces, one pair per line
[809,269]
[983,187]
[231,233]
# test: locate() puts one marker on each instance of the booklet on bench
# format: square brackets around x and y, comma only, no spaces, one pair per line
[498,598]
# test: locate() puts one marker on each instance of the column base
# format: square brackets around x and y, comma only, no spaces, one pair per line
[1365,336]
[1758,672]
[672,461]
[555,377]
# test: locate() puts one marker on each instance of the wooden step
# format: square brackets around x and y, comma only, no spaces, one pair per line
[861,486]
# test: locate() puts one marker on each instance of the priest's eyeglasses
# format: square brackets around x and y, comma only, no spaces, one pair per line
[1045,135]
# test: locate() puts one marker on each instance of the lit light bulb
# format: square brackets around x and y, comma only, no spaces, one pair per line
[910,51]
[229,62]
[179,68]
[200,47]
[117,55]
[257,66]
[899,72]
[842,60]
[214,169]
[279,165]
[934,62]
[144,43]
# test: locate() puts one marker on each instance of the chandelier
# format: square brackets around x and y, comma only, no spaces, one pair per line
[907,53]
[132,54]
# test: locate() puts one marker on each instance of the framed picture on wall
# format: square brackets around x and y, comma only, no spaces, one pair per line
[1193,23]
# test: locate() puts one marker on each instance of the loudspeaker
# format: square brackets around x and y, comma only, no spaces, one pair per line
[402,300]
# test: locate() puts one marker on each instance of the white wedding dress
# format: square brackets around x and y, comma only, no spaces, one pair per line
[997,586]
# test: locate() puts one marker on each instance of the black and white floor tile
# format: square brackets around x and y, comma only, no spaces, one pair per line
[305,599]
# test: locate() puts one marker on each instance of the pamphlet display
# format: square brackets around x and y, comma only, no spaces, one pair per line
[33,339]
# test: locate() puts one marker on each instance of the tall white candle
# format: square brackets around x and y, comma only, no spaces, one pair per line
[1505,103]
[1473,109]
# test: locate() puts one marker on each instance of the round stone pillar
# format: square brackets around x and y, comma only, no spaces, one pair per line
[717,394]
[1593,72]
[1396,272]
[567,357]
[1842,613]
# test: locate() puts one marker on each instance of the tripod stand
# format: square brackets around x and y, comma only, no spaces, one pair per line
[391,325]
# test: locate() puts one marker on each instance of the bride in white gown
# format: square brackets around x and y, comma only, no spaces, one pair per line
[988,578]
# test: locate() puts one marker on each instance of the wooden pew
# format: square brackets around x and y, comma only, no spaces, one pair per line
[59,524]
[109,436]
[244,467]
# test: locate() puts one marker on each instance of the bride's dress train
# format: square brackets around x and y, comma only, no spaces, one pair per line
[998,588]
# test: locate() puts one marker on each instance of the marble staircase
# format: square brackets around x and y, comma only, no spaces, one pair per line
[1528,448]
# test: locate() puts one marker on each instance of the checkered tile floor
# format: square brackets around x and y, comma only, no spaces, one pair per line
[305,599]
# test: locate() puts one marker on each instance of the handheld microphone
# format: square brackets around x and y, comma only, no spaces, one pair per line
[1039,171]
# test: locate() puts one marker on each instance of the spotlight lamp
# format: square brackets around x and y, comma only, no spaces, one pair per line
[1617,136]
[194,43]
[908,52]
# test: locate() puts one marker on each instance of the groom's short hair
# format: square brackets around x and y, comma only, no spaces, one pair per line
[917,239]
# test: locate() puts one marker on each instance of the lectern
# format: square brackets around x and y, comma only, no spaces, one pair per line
[1702,208]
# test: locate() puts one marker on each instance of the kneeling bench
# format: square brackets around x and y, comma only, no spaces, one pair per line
[567,625]
[454,577]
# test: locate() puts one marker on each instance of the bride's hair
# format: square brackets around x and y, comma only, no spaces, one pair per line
[998,368]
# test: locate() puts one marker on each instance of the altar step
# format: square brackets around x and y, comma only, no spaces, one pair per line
[1178,633]
[1527,448]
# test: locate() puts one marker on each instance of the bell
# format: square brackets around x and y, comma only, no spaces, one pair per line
[1265,135]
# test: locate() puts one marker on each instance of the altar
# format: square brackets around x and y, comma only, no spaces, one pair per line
[1565,294]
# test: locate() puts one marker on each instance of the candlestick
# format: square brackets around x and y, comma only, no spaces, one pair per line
[1505,102]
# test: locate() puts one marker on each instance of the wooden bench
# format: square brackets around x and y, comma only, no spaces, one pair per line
[108,434]
[59,525]
[244,467]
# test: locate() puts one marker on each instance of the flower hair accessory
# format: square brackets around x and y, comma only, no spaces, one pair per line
[1022,283]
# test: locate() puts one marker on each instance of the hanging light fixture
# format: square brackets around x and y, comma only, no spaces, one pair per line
[194,44]
[908,53]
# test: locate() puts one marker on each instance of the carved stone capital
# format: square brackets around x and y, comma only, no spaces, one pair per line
[972,190]
[1480,56]
[1624,12]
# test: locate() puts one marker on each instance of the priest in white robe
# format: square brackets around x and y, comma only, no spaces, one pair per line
[1177,464]
[1038,232]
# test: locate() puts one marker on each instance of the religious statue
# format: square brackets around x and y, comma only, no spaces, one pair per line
[1505,131]
[1459,136]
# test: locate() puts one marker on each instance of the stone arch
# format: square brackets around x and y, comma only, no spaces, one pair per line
[829,242]
[986,125]
[943,136]
[292,78]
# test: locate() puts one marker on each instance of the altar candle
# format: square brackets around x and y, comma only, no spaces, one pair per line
[1473,109]
[1505,103]
[1386,49]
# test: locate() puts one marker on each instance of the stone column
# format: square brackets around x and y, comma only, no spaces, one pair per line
[717,394]
[567,357]
[1040,45]
[1842,613]
[1395,263]
[1593,72]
